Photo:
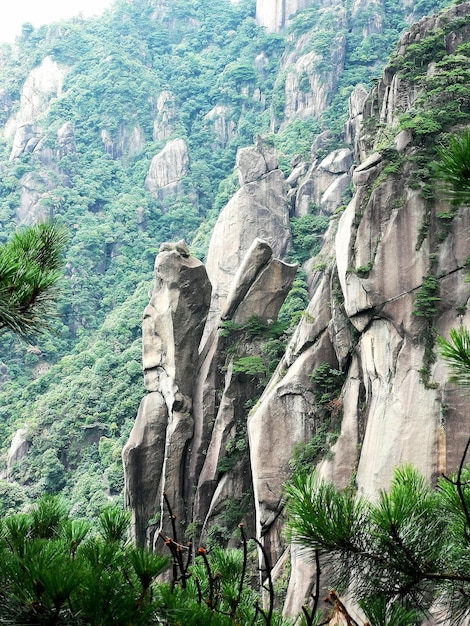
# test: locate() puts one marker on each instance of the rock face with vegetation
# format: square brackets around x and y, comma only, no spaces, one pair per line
[297,327]
[394,276]
[359,389]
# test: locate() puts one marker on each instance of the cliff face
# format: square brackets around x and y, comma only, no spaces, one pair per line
[366,317]
[387,257]
[193,416]
[274,14]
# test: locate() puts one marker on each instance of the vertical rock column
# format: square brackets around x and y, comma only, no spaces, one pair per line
[154,456]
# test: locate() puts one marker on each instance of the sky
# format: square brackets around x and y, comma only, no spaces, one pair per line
[14,13]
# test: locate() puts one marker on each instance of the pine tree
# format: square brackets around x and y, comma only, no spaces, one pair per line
[30,268]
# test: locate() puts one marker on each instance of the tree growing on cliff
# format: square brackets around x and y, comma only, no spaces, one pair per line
[453,168]
[399,553]
[403,552]
[30,267]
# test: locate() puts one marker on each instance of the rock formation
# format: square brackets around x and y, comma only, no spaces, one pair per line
[154,457]
[312,74]
[274,14]
[19,447]
[247,281]
[128,141]
[378,265]
[182,429]
[258,209]
[43,83]
[363,326]
[167,169]
[163,126]
[224,127]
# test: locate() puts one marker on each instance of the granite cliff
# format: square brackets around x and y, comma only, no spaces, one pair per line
[391,274]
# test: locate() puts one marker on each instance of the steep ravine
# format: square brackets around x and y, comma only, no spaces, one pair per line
[365,318]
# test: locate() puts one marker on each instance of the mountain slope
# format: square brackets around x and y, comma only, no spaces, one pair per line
[97,113]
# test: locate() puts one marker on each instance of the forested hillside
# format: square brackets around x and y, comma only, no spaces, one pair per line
[126,128]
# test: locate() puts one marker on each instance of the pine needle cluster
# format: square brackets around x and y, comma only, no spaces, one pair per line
[30,268]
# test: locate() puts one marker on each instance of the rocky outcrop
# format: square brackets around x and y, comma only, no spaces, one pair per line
[387,400]
[322,186]
[19,447]
[395,402]
[274,14]
[191,413]
[129,141]
[258,209]
[313,76]
[164,124]
[167,169]
[154,456]
[42,85]
[66,141]
[223,126]
[257,291]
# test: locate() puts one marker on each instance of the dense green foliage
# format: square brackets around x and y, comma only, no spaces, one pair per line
[401,551]
[326,386]
[57,569]
[456,352]
[454,167]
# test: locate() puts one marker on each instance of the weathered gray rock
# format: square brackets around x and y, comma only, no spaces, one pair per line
[353,124]
[256,258]
[26,140]
[42,85]
[167,169]
[360,319]
[254,162]
[179,303]
[224,127]
[259,288]
[172,327]
[391,413]
[311,78]
[284,417]
[128,141]
[333,196]
[19,447]
[164,124]
[324,185]
[258,210]
[143,458]
[274,14]
[66,140]
[34,188]
[337,162]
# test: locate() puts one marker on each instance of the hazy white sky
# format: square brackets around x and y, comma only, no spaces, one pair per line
[14,13]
